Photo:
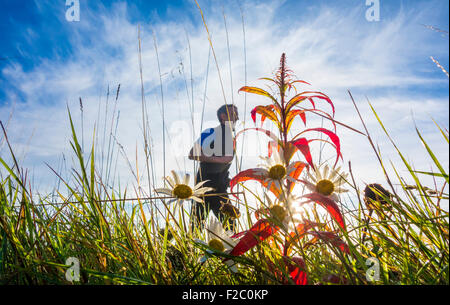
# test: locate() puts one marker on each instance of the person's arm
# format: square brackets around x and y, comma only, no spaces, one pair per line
[210,159]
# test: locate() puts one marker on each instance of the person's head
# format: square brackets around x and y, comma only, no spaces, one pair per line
[226,113]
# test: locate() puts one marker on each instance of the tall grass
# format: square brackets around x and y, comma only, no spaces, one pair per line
[118,240]
[132,237]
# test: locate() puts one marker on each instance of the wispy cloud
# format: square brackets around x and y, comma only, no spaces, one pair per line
[333,48]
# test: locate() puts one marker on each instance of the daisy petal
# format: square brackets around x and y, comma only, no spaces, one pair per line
[341,190]
[186,179]
[318,174]
[334,173]
[203,190]
[312,177]
[195,198]
[175,176]
[198,185]
[291,179]
[164,191]
[325,172]
[309,185]
[170,181]
[173,200]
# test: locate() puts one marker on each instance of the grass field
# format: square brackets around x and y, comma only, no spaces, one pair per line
[397,234]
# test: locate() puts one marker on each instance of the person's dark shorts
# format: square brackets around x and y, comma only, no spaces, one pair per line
[220,183]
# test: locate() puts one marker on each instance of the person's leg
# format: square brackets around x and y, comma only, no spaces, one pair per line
[228,222]
[201,210]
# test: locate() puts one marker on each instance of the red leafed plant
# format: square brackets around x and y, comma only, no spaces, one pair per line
[281,173]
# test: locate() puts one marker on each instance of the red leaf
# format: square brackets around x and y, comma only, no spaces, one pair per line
[334,146]
[288,151]
[253,115]
[313,92]
[329,205]
[333,137]
[267,132]
[256,174]
[306,95]
[312,102]
[237,235]
[296,269]
[259,91]
[331,238]
[294,101]
[256,90]
[299,166]
[270,145]
[326,98]
[303,145]
[323,113]
[261,230]
[269,79]
[299,233]
[265,112]
[291,115]
[300,81]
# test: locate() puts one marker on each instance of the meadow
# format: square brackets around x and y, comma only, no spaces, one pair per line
[92,234]
[89,231]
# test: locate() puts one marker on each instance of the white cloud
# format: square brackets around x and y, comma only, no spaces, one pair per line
[333,50]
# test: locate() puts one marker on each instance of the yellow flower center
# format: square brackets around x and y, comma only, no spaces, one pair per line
[278,212]
[325,187]
[216,245]
[277,172]
[182,191]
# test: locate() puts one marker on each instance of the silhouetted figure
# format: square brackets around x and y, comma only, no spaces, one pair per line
[215,151]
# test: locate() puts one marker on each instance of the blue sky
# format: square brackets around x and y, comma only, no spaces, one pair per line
[32,31]
[48,63]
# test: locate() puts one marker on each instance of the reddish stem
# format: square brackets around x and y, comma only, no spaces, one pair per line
[283,109]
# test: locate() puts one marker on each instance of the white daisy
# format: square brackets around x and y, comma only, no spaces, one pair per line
[287,212]
[219,240]
[180,189]
[275,169]
[328,182]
